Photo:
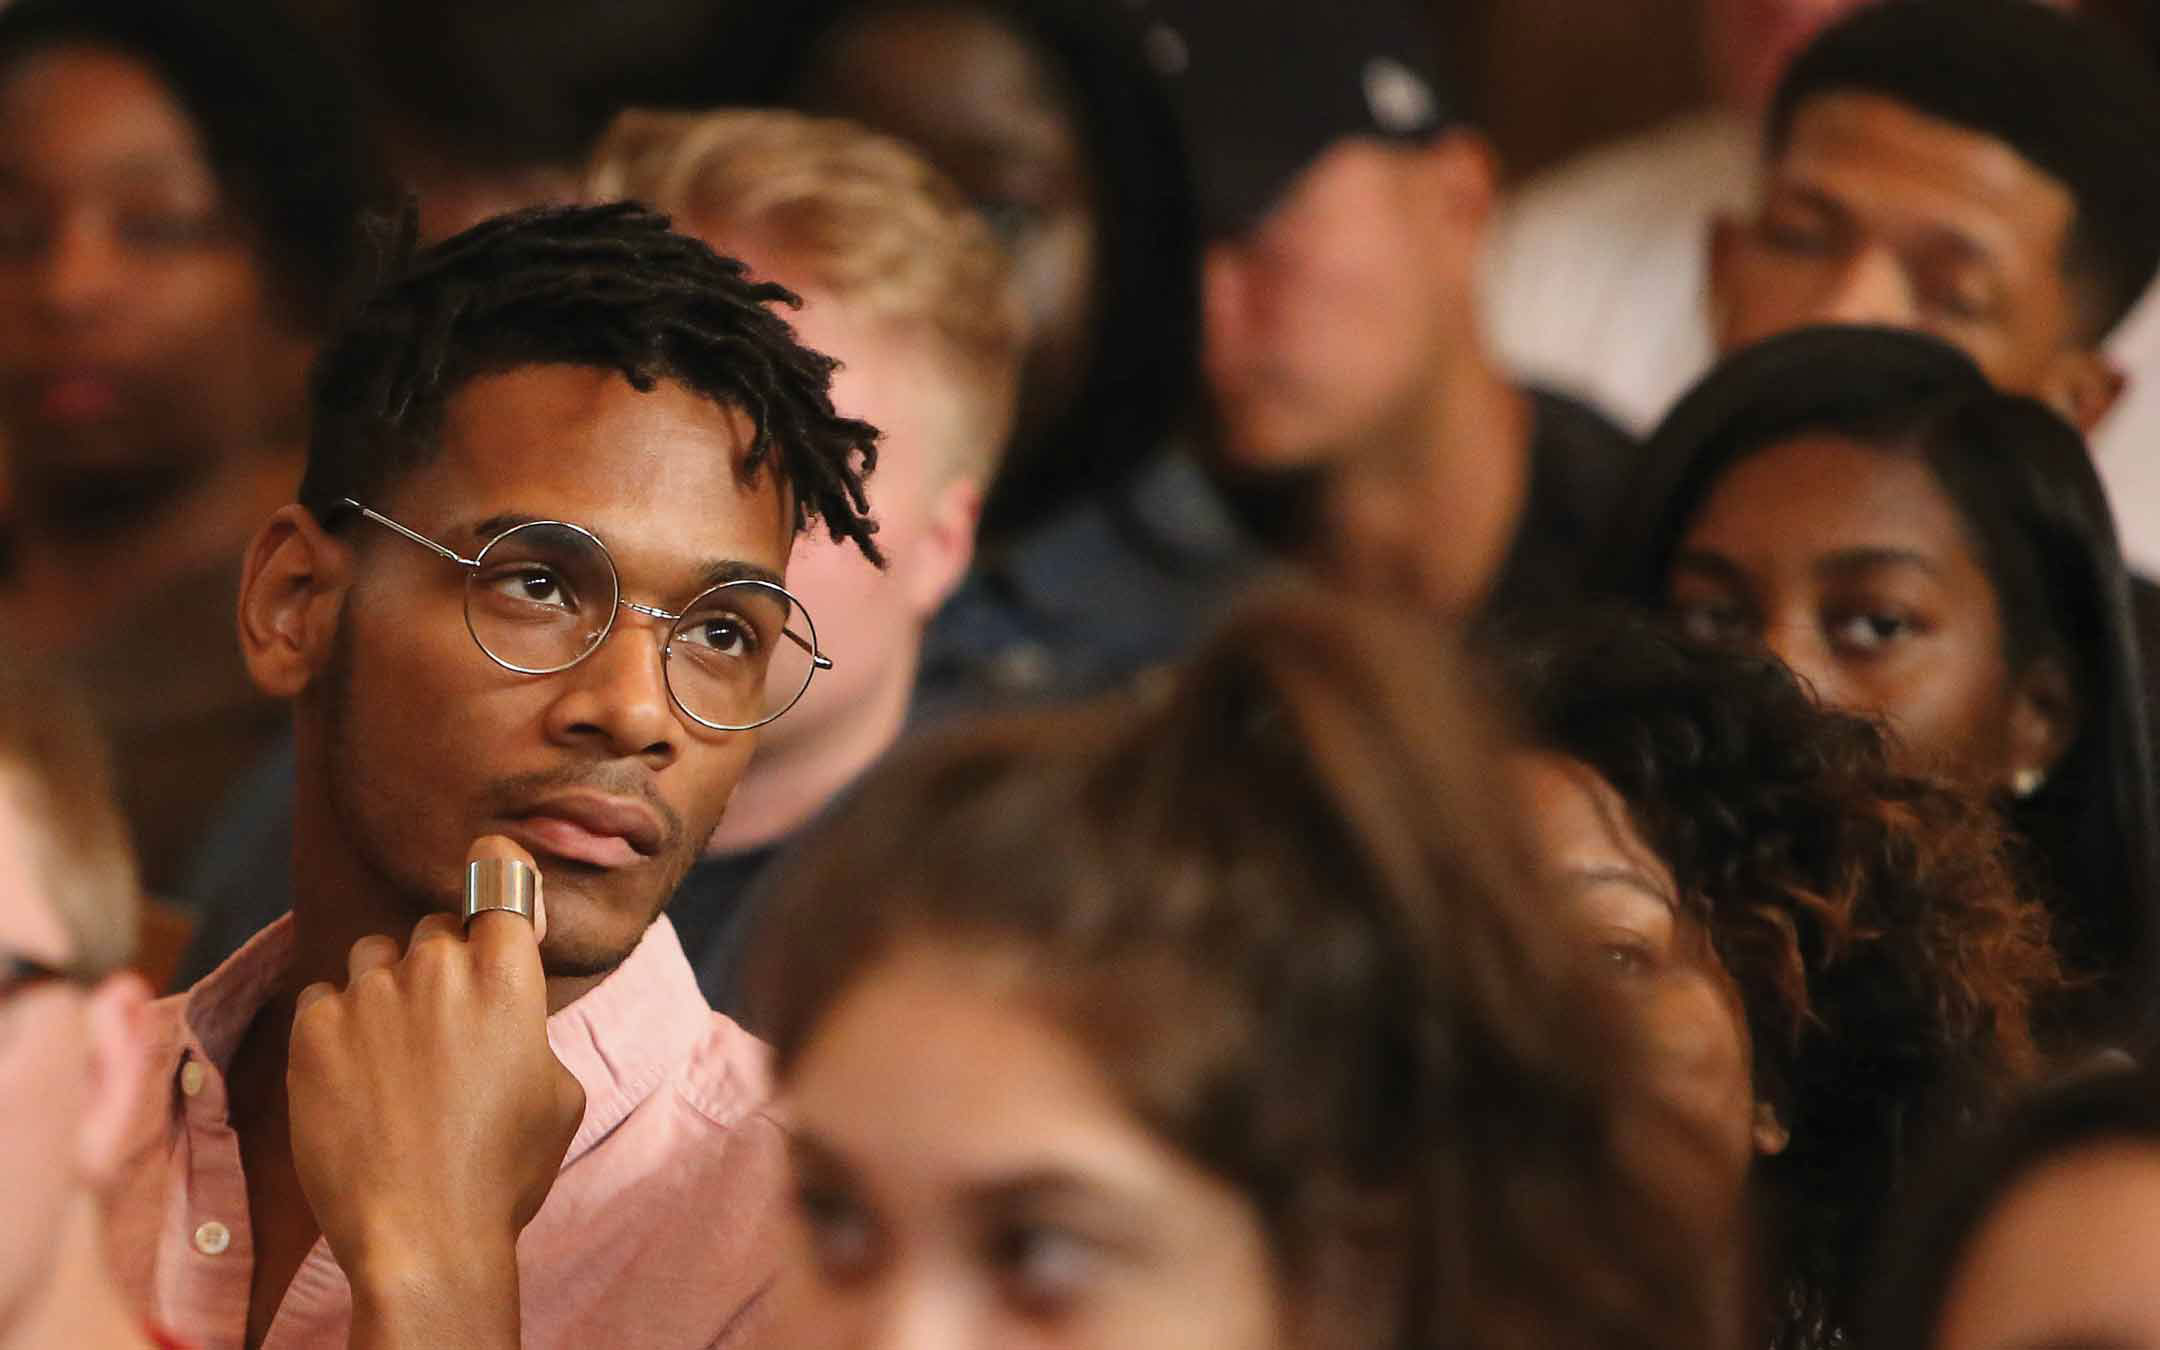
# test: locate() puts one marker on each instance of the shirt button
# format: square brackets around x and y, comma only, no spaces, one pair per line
[192,1075]
[212,1238]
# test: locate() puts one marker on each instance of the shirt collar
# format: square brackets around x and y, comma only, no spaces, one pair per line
[621,1040]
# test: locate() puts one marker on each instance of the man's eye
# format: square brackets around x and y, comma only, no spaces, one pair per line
[1011,221]
[1797,236]
[843,1239]
[532,586]
[720,635]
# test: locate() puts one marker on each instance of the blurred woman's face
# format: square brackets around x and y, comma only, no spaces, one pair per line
[967,1176]
[1854,568]
[1694,1129]
[977,99]
[136,332]
[2070,1258]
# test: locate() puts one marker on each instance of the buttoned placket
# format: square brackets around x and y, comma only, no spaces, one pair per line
[219,1265]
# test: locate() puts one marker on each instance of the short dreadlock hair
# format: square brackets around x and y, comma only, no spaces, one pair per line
[608,286]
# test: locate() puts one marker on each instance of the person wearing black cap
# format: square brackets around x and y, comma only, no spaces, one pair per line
[1919,546]
[1362,423]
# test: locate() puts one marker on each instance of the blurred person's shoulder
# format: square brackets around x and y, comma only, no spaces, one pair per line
[1597,274]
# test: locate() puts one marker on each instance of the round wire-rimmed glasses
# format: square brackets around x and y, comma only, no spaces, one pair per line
[544,594]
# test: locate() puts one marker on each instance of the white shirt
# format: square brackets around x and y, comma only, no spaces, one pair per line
[1597,283]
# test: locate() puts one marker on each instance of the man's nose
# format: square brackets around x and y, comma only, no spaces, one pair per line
[617,698]
[1871,288]
[81,273]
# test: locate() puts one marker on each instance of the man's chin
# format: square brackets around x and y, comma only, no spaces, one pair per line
[585,940]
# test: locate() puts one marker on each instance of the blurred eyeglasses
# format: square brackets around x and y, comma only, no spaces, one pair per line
[542,596]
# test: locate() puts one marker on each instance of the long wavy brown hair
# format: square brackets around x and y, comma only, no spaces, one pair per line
[1277,900]
[1886,960]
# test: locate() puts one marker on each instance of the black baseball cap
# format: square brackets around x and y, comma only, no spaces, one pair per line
[1265,86]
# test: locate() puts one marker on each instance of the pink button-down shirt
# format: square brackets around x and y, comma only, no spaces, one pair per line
[663,1229]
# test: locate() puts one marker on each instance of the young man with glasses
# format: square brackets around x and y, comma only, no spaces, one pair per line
[533,588]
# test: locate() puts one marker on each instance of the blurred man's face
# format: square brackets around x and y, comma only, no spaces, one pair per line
[1327,320]
[137,332]
[871,620]
[71,1064]
[1874,213]
[43,1051]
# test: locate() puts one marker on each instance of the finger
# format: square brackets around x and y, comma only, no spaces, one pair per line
[500,935]
[310,996]
[373,952]
[432,927]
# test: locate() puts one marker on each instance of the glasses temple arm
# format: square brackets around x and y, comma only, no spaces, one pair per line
[422,540]
[818,659]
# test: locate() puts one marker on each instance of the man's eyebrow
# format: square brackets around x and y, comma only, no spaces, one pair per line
[709,573]
[719,573]
[1809,195]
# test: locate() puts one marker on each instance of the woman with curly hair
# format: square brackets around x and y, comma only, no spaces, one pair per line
[1829,957]
[1918,547]
[1218,1014]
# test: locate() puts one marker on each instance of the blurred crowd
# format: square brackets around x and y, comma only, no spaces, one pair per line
[1068,673]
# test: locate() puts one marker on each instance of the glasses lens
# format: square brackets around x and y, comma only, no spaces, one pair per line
[542,596]
[740,655]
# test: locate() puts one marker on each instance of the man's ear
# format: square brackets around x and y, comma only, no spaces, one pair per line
[2082,384]
[946,548]
[292,591]
[2044,721]
[119,1051]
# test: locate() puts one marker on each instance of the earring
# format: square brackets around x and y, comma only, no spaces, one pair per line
[1771,1136]
[2025,782]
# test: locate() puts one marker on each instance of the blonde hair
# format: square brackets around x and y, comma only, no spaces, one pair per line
[54,771]
[866,219]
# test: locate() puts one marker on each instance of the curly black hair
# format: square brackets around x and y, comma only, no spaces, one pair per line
[608,286]
[1887,964]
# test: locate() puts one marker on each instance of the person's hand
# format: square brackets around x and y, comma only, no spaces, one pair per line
[429,1116]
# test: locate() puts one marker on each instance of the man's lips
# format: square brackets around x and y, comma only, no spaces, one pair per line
[591,828]
[77,395]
